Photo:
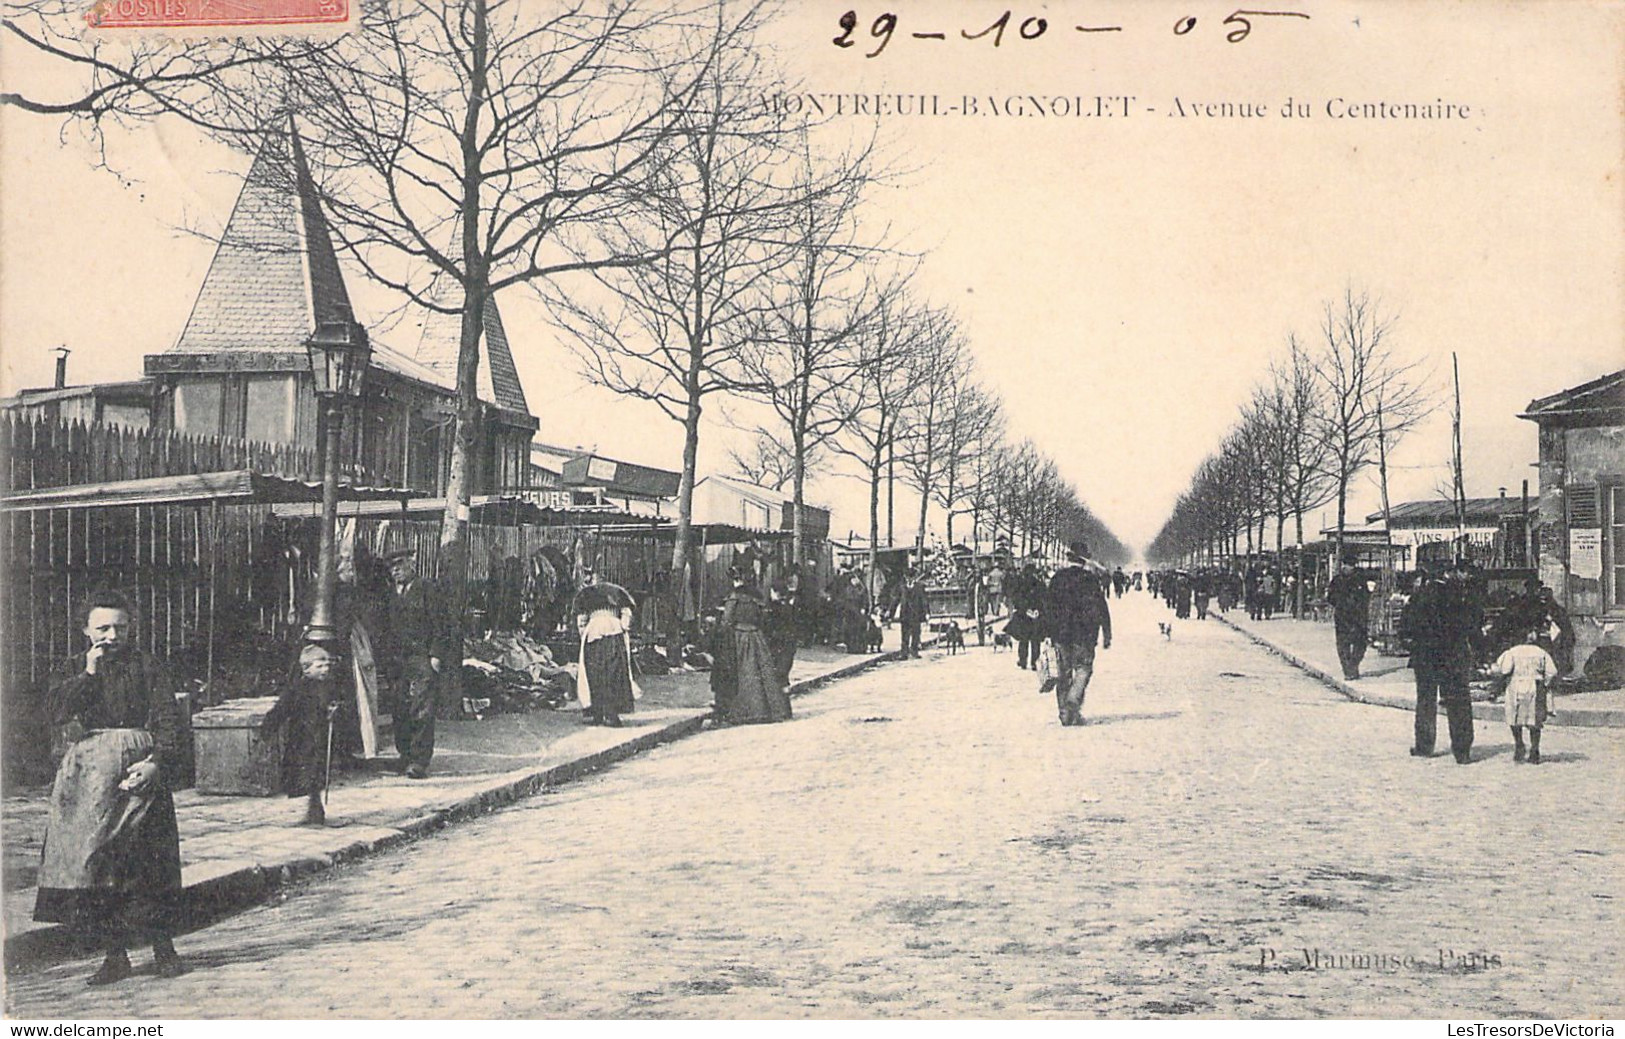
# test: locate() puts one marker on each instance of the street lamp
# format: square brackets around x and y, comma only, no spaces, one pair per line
[339,353]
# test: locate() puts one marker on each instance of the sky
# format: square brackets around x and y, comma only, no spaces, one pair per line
[1123,281]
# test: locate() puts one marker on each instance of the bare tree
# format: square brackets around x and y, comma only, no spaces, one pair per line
[718,211]
[1357,368]
[766,463]
[801,351]
[970,422]
[875,398]
[944,363]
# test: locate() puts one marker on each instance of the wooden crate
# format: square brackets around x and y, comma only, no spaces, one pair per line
[236,754]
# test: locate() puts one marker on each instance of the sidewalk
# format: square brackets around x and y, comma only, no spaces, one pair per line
[235,851]
[1387,681]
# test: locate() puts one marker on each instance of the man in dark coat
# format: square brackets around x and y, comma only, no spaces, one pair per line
[1026,591]
[111,865]
[913,608]
[425,645]
[1443,624]
[1076,616]
[1350,596]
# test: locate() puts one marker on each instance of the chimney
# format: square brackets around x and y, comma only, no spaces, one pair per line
[62,353]
[1503,492]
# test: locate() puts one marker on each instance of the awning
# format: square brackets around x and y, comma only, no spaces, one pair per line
[236,486]
[716,533]
[488,510]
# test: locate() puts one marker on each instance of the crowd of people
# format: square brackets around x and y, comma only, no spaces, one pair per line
[111,864]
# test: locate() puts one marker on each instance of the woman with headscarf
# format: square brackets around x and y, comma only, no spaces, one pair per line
[604,676]
[744,676]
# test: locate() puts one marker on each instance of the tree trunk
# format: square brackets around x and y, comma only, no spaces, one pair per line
[459,479]
[874,514]
[1297,604]
[682,552]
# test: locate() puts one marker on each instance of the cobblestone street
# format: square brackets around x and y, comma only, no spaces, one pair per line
[926,840]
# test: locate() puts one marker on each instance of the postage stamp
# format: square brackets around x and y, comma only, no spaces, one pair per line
[281,15]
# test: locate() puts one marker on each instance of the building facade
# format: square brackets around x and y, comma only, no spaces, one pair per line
[1582,506]
[239,368]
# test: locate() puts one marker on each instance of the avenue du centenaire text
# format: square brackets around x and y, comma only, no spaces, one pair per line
[1113,106]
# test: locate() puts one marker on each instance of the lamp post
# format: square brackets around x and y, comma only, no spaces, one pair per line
[339,352]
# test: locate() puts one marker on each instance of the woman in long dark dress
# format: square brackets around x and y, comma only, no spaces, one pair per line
[745,677]
[604,675]
[111,865]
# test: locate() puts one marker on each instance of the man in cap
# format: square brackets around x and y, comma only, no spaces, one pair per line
[1075,617]
[423,643]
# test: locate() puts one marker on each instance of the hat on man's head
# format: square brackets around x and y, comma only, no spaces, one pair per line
[1078,550]
[401,553]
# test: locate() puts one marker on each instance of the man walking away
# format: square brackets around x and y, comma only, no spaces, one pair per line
[1350,597]
[1076,615]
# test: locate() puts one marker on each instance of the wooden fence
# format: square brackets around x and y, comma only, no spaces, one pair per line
[52,453]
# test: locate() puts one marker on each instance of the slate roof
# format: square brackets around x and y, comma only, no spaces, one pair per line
[274,275]
[499,383]
[1601,400]
[1441,513]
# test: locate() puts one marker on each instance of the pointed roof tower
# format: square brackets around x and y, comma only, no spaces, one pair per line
[274,276]
[498,376]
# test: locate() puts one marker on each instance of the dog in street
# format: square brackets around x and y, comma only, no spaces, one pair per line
[1002,640]
[953,640]
[1166,629]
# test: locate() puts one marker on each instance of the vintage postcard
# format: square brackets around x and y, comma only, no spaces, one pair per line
[717,509]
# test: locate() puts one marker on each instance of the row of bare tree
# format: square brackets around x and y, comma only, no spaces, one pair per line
[1321,416]
[618,160]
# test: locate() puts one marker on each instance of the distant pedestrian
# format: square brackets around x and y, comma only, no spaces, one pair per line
[111,865]
[1182,595]
[1076,616]
[1528,670]
[913,608]
[1350,596]
[781,627]
[1201,594]
[604,674]
[996,588]
[1026,591]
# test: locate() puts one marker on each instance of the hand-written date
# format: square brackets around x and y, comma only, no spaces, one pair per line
[1237,27]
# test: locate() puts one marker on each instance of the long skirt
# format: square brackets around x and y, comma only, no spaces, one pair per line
[111,865]
[757,695]
[609,675]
